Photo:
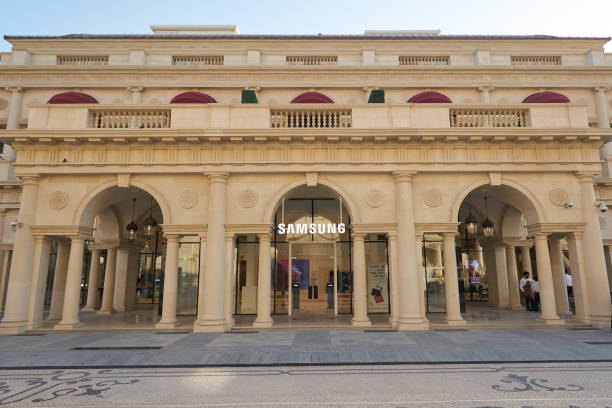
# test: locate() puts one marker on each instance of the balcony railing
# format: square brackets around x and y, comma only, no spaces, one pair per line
[424,60]
[83,60]
[337,118]
[197,60]
[535,60]
[505,118]
[130,119]
[312,60]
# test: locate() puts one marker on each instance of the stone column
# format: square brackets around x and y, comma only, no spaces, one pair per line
[453,314]
[579,279]
[392,240]
[526,263]
[136,94]
[264,282]
[92,284]
[410,309]
[72,297]
[608,254]
[485,94]
[121,272]
[16,309]
[603,120]
[108,293]
[12,122]
[230,283]
[201,277]
[213,314]
[513,281]
[558,276]
[39,282]
[547,291]
[501,266]
[594,261]
[59,280]
[3,276]
[168,318]
[360,288]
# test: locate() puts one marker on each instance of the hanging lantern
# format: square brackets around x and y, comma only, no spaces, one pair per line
[470,221]
[150,224]
[132,228]
[488,228]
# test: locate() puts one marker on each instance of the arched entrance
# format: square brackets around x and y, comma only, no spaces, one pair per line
[312,261]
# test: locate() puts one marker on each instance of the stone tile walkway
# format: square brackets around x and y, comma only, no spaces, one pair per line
[304,347]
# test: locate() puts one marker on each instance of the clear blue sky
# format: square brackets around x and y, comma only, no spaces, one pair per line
[553,17]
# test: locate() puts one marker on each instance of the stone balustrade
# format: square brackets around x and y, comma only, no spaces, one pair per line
[424,60]
[308,116]
[312,60]
[494,118]
[535,60]
[130,119]
[83,60]
[197,60]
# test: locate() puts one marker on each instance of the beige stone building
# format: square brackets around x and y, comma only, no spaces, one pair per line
[198,177]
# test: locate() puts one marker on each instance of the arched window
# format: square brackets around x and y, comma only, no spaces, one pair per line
[430,97]
[546,97]
[193,97]
[72,97]
[312,97]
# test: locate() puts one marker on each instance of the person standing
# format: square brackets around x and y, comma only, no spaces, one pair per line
[535,286]
[526,291]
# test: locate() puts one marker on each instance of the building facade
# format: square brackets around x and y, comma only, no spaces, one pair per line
[257,178]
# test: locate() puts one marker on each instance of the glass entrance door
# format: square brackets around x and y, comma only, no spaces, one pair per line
[313,267]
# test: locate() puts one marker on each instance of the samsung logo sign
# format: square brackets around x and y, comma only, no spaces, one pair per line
[311,229]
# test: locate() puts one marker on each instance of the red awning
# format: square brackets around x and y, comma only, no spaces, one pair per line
[72,97]
[430,97]
[192,97]
[546,97]
[312,97]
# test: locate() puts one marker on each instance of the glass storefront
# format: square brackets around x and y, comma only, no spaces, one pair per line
[377,274]
[433,255]
[247,263]
[189,272]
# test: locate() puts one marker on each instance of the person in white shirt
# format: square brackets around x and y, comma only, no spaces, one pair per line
[568,283]
[535,286]
[526,290]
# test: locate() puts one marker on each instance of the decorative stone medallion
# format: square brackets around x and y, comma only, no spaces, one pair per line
[58,200]
[433,198]
[375,198]
[247,199]
[559,196]
[188,199]
[3,103]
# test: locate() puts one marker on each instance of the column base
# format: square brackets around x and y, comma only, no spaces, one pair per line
[360,322]
[516,307]
[35,325]
[263,324]
[545,320]
[13,327]
[455,322]
[67,326]
[393,320]
[601,320]
[215,326]
[105,312]
[164,325]
[583,320]
[88,309]
[404,324]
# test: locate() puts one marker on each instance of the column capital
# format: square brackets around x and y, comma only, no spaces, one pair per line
[358,236]
[172,237]
[585,176]
[392,235]
[264,236]
[603,89]
[403,176]
[541,236]
[30,180]
[14,89]
[135,88]
[95,251]
[76,239]
[229,236]
[217,177]
[486,88]
[576,235]
[449,236]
